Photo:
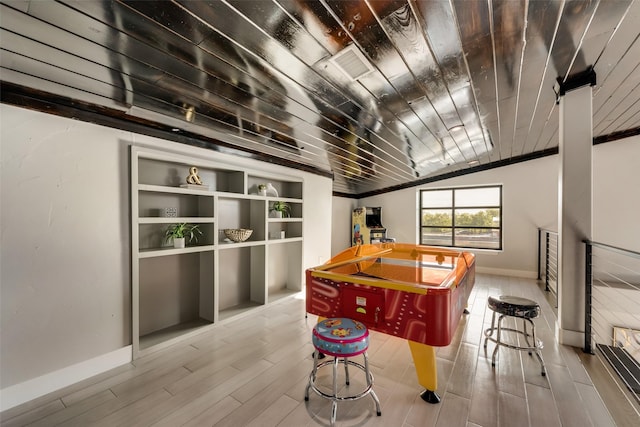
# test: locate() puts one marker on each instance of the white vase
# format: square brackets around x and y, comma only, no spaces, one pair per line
[271,190]
[178,242]
[262,192]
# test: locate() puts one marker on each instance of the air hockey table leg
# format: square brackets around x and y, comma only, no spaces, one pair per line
[424,359]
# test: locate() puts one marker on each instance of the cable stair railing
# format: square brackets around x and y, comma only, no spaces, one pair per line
[548,261]
[612,307]
[612,313]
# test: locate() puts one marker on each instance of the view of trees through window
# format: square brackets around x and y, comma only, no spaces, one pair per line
[469,217]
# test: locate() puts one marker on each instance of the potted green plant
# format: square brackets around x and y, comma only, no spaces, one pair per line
[180,232]
[281,209]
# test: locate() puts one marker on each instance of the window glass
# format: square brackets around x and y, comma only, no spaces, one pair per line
[484,196]
[437,199]
[437,217]
[467,217]
[436,236]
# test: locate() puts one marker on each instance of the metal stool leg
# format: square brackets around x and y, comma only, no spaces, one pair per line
[370,383]
[498,341]
[538,349]
[312,376]
[346,370]
[334,401]
[526,335]
[489,332]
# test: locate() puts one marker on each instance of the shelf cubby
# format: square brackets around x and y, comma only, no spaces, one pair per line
[241,279]
[175,296]
[282,282]
[241,213]
[160,172]
[285,189]
[291,227]
[152,204]
[152,236]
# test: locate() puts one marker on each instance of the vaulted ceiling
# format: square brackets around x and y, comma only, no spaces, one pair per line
[379,93]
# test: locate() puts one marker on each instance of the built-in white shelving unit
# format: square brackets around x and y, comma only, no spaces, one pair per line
[178,292]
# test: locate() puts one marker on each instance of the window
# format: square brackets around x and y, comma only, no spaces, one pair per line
[469,217]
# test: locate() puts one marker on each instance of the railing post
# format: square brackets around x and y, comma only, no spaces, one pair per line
[546,263]
[539,249]
[587,299]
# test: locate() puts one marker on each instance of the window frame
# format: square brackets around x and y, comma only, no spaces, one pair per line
[452,210]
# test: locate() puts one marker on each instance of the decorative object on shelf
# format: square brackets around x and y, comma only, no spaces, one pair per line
[271,190]
[169,212]
[238,234]
[262,189]
[180,232]
[193,177]
[280,209]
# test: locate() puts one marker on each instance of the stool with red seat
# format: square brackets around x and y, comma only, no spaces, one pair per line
[343,339]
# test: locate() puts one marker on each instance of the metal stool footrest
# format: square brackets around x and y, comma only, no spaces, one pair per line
[366,391]
[537,345]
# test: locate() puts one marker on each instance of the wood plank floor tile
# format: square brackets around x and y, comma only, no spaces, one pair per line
[253,370]
[509,368]
[594,406]
[214,414]
[78,408]
[118,412]
[512,410]
[134,413]
[483,408]
[571,408]
[454,411]
[542,407]
[274,413]
[464,371]
[182,407]
[46,410]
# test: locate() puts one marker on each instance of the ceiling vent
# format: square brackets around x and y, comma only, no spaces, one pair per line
[352,62]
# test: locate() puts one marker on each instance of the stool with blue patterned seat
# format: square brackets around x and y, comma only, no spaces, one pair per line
[523,308]
[341,338]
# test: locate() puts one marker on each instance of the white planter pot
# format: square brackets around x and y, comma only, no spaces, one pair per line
[262,192]
[178,242]
[276,214]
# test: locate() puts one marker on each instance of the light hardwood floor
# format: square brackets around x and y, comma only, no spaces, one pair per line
[252,371]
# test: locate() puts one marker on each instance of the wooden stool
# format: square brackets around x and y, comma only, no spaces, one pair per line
[341,338]
[522,308]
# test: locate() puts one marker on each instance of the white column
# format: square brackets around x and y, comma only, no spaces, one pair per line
[574,211]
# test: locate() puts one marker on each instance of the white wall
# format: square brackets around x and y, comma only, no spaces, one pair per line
[530,200]
[65,239]
[616,193]
[341,224]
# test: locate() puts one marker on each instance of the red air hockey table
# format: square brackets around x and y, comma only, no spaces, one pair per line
[410,291]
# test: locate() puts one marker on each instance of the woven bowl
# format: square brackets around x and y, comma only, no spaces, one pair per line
[238,234]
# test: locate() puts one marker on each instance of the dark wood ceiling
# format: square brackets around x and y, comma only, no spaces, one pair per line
[379,93]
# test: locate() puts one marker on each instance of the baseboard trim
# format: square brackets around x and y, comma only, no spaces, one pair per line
[571,338]
[23,392]
[505,272]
